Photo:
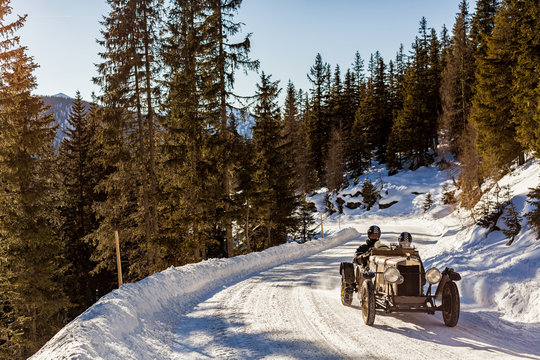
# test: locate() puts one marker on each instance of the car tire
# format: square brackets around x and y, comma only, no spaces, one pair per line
[367,296]
[346,292]
[450,304]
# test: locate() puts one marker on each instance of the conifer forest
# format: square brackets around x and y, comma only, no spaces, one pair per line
[157,158]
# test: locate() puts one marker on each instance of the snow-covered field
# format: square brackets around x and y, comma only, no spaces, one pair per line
[284,302]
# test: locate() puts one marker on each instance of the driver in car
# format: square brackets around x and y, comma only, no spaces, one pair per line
[361,254]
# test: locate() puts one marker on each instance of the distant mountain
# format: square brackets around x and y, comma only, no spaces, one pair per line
[61,104]
[244,122]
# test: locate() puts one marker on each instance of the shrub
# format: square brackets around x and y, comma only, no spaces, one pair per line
[512,222]
[370,194]
[428,203]
[533,217]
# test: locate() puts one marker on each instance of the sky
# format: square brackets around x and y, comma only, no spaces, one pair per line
[286,36]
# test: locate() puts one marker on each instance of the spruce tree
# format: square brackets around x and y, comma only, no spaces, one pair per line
[127,78]
[190,206]
[482,25]
[526,89]
[220,59]
[80,173]
[31,294]
[413,133]
[306,220]
[492,100]
[512,221]
[381,123]
[296,139]
[457,81]
[335,161]
[275,200]
[363,133]
[533,216]
[318,124]
[370,195]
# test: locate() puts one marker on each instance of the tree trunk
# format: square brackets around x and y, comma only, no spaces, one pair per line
[247,227]
[142,171]
[150,121]
[224,133]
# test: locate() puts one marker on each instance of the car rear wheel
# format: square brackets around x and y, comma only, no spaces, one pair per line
[450,304]
[346,293]
[367,295]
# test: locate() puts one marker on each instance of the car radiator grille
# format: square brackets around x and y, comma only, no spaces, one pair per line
[411,283]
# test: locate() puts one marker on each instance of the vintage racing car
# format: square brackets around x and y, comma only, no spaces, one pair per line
[393,281]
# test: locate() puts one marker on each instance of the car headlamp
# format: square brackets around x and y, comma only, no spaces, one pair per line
[433,276]
[392,275]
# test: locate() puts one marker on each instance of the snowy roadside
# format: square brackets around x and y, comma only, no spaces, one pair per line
[122,313]
[500,285]
[496,277]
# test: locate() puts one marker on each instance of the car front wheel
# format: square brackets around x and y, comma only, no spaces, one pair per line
[367,295]
[450,304]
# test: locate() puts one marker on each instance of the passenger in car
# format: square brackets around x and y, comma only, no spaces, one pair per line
[404,240]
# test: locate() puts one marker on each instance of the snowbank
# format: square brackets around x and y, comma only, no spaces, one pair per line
[121,315]
[498,281]
[496,277]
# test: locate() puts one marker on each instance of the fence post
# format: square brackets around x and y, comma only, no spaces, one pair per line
[118,262]
[322,228]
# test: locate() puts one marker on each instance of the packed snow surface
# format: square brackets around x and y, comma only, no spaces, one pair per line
[283,303]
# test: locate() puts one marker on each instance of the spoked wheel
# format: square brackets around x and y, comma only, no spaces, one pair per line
[346,293]
[450,304]
[367,296]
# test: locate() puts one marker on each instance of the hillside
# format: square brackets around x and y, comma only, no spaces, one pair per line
[284,302]
[60,105]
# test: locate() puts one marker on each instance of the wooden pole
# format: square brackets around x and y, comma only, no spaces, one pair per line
[118,262]
[322,228]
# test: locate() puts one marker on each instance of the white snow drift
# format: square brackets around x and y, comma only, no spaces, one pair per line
[284,302]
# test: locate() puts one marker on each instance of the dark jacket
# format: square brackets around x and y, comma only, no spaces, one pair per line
[361,250]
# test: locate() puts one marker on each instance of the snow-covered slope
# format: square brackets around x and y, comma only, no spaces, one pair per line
[284,302]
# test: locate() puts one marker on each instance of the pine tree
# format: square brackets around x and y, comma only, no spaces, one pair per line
[275,200]
[470,175]
[457,81]
[358,71]
[318,125]
[126,77]
[533,216]
[428,203]
[190,206]
[335,161]
[526,89]
[362,140]
[370,195]
[295,134]
[335,102]
[492,100]
[512,221]
[413,132]
[80,173]
[31,295]
[220,58]
[306,219]
[482,25]
[349,103]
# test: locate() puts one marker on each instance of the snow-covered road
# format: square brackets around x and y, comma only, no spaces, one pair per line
[284,303]
[293,311]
